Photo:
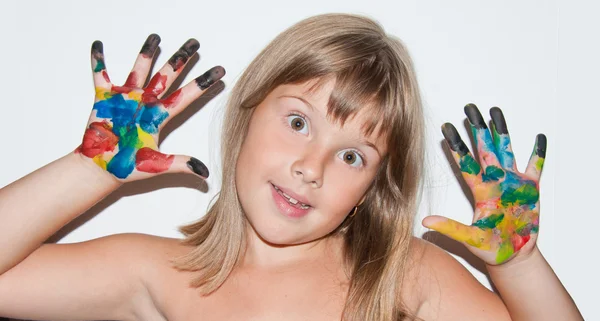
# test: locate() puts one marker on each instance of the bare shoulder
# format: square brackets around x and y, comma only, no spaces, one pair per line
[443,289]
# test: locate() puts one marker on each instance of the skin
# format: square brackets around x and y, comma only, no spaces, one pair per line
[305,154]
[123,129]
[292,275]
[506,219]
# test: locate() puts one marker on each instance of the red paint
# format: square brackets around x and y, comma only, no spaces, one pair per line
[519,241]
[131,80]
[121,89]
[98,139]
[150,161]
[105,75]
[157,84]
[172,99]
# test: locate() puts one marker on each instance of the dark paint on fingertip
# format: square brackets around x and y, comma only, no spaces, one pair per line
[197,167]
[98,55]
[210,77]
[184,53]
[498,120]
[541,142]
[150,45]
[474,116]
[453,139]
[97,47]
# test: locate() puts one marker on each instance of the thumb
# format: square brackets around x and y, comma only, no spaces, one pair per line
[149,160]
[471,235]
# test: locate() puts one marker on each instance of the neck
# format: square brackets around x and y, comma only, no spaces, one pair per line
[262,254]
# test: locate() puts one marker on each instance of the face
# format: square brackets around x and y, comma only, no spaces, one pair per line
[292,148]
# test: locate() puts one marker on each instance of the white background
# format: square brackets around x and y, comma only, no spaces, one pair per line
[537,60]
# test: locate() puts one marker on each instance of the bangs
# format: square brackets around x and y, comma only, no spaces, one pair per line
[364,88]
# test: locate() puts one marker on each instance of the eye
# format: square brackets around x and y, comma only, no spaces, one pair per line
[351,158]
[297,122]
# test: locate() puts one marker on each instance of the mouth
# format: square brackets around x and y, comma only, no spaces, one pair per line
[292,201]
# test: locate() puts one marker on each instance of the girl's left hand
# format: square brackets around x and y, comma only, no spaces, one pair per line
[506,219]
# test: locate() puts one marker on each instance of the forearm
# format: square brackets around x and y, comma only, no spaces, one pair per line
[531,290]
[34,207]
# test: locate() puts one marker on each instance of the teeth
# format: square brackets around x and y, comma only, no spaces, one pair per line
[291,199]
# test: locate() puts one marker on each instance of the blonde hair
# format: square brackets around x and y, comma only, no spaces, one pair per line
[371,69]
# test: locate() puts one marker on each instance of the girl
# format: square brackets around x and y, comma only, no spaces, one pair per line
[323,151]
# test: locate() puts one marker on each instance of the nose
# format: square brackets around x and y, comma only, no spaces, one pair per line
[310,166]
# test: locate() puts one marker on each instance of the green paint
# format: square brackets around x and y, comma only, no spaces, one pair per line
[496,137]
[99,66]
[492,173]
[489,222]
[539,164]
[469,165]
[129,138]
[525,194]
[505,252]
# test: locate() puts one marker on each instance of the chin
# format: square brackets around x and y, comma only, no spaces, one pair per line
[277,233]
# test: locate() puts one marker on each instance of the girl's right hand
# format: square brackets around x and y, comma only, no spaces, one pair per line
[124,126]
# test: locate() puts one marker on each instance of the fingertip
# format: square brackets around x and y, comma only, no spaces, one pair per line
[198,167]
[191,46]
[498,120]
[541,143]
[210,77]
[97,47]
[474,116]
[150,45]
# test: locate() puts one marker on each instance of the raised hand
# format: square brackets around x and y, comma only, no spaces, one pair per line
[123,129]
[506,219]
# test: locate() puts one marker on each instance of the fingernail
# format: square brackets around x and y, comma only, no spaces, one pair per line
[474,116]
[98,55]
[454,140]
[150,45]
[210,77]
[499,121]
[197,167]
[540,149]
[97,47]
[184,53]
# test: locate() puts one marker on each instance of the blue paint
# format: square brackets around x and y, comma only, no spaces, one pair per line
[123,163]
[126,115]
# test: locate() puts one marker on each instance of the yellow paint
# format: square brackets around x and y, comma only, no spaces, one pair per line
[102,93]
[135,95]
[146,138]
[100,161]
[471,235]
[539,164]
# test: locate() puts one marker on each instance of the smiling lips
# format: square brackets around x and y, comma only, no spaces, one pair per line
[288,205]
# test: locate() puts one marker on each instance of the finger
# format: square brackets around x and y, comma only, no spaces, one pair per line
[469,168]
[536,161]
[167,74]
[474,236]
[101,79]
[502,140]
[151,161]
[180,99]
[142,65]
[481,135]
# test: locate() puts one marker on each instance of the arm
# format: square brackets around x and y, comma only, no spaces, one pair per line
[34,207]
[99,279]
[531,290]
[506,220]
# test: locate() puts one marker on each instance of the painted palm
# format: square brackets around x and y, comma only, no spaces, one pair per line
[506,217]
[122,132]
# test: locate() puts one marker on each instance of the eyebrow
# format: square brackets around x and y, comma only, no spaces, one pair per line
[313,109]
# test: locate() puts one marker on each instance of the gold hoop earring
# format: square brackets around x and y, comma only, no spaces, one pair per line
[354,212]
